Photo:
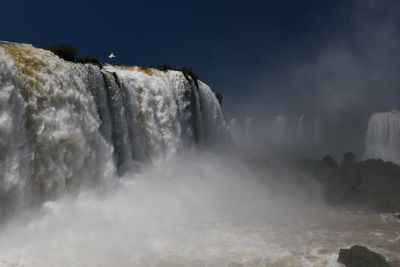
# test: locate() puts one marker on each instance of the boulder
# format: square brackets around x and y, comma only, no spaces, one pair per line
[359,256]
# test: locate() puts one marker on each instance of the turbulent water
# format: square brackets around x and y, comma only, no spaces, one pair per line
[65,125]
[193,210]
[383,136]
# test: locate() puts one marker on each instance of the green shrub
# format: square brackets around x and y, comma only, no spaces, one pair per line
[89,60]
[64,51]
[164,67]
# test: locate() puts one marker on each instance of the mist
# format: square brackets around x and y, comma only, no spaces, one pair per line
[349,77]
[355,68]
[177,210]
[194,209]
[109,165]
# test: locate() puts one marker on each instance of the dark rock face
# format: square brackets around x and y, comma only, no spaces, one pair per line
[329,162]
[349,159]
[359,256]
[374,183]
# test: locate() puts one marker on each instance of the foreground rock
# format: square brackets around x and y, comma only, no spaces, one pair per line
[359,256]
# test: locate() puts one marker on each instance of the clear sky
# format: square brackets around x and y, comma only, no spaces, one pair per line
[245,49]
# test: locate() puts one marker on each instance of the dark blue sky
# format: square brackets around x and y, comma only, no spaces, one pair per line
[227,43]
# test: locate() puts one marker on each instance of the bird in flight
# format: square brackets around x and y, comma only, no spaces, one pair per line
[111,55]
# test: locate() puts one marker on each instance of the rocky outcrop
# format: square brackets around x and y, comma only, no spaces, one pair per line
[374,183]
[359,256]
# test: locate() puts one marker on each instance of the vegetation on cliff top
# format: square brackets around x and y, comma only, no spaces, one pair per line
[70,53]
[64,51]
[89,60]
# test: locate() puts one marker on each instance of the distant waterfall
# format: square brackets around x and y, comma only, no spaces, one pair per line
[65,125]
[300,129]
[281,123]
[290,129]
[383,136]
[234,130]
[317,130]
[248,126]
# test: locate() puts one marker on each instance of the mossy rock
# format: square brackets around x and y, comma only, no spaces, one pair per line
[359,256]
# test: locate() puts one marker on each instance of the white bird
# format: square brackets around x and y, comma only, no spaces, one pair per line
[111,55]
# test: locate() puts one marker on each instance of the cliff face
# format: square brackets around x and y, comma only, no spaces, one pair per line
[64,125]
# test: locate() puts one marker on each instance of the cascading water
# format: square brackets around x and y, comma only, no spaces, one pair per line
[56,145]
[281,124]
[383,136]
[300,129]
[65,125]
[15,155]
[248,125]
[289,129]
[317,130]
[234,129]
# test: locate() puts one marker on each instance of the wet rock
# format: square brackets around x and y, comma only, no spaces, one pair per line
[359,256]
[329,162]
[373,183]
[349,159]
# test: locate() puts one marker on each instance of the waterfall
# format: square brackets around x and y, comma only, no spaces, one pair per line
[15,155]
[300,129]
[65,125]
[248,126]
[234,129]
[281,122]
[317,130]
[383,136]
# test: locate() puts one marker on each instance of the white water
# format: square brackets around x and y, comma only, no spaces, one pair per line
[317,130]
[289,129]
[281,124]
[383,137]
[49,128]
[300,129]
[192,210]
[65,125]
[234,130]
[15,154]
